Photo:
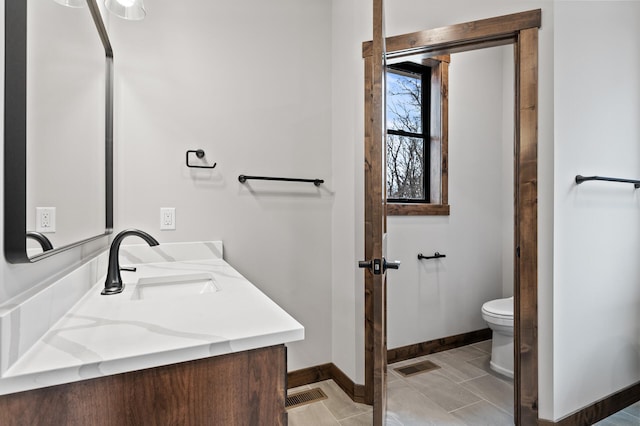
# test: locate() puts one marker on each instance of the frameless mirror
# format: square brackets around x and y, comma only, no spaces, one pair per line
[58,128]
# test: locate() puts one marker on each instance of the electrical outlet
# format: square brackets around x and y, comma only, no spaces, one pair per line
[46,219]
[167,218]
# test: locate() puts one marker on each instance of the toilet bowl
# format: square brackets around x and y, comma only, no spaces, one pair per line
[499,315]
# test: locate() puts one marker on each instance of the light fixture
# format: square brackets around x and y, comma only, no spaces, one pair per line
[132,10]
[128,9]
[72,3]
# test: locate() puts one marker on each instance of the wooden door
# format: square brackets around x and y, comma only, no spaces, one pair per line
[375,223]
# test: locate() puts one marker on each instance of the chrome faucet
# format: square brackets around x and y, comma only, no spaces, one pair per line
[41,239]
[113,283]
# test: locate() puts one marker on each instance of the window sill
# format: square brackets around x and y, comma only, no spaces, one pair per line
[399,209]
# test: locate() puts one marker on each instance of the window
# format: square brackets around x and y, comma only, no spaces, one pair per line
[417,137]
[407,131]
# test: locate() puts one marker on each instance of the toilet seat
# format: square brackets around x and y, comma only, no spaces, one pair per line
[499,311]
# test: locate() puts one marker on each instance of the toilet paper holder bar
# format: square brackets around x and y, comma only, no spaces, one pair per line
[200,154]
[436,255]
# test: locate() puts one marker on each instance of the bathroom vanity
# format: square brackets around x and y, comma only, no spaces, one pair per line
[188,341]
[247,388]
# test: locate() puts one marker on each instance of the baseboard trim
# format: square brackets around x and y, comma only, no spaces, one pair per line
[355,391]
[437,345]
[600,409]
[307,376]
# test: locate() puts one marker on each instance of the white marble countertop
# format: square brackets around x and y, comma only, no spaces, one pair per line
[105,335]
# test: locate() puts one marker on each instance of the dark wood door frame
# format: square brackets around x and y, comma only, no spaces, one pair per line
[520,30]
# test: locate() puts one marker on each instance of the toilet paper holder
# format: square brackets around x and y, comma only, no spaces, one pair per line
[436,255]
[200,154]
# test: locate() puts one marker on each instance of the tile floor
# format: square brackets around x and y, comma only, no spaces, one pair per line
[463,391]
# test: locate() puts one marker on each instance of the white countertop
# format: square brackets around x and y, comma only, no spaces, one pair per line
[104,335]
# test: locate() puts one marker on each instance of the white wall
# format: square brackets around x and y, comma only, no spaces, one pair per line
[507,163]
[351,22]
[250,83]
[431,299]
[596,241]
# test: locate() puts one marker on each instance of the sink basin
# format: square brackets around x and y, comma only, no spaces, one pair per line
[172,286]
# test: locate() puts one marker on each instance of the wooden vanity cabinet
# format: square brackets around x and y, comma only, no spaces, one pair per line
[245,388]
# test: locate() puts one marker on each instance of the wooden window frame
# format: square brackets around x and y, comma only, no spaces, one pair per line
[438,204]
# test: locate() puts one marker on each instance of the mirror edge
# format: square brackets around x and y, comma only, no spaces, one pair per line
[15,125]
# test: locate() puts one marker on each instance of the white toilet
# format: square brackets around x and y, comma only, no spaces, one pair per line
[499,315]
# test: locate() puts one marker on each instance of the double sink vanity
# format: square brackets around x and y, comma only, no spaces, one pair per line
[188,341]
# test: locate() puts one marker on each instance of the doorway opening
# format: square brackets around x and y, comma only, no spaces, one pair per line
[521,31]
